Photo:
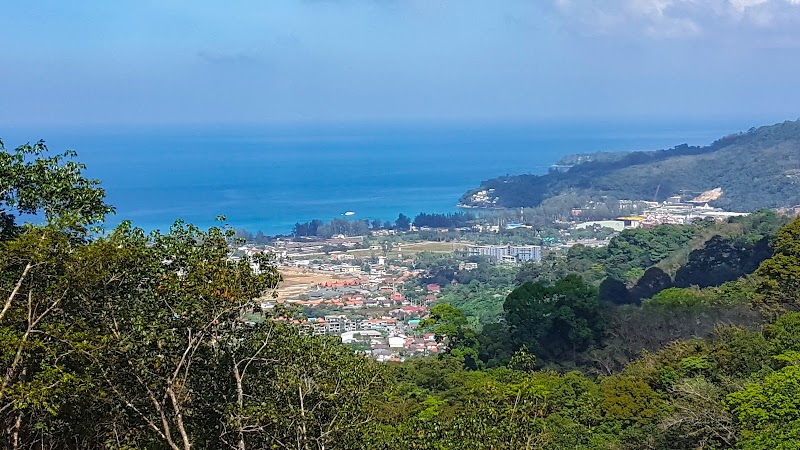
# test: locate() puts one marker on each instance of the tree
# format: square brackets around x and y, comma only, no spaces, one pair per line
[496,346]
[700,418]
[550,269]
[629,400]
[297,391]
[403,223]
[165,330]
[41,373]
[556,321]
[768,411]
[721,260]
[261,238]
[784,333]
[146,335]
[614,291]
[450,324]
[135,340]
[653,281]
[780,274]
[31,182]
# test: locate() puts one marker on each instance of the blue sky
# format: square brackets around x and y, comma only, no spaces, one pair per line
[176,62]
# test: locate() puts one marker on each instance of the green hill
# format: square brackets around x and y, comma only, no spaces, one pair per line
[756,169]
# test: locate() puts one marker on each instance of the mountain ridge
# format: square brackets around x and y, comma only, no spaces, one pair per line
[759,168]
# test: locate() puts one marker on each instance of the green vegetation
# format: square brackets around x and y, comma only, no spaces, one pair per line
[781,274]
[449,220]
[319,228]
[757,169]
[734,390]
[479,293]
[131,340]
[639,263]
[554,321]
[128,340]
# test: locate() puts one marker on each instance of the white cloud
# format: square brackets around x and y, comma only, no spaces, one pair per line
[742,5]
[680,18]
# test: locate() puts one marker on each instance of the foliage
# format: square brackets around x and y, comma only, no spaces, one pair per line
[31,182]
[784,333]
[557,320]
[643,261]
[551,268]
[450,325]
[403,223]
[337,226]
[754,170]
[642,248]
[147,333]
[479,293]
[769,411]
[448,220]
[133,340]
[780,274]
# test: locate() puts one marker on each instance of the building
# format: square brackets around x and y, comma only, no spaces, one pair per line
[507,253]
[341,256]
[468,266]
[350,337]
[616,225]
[397,341]
[346,268]
[631,221]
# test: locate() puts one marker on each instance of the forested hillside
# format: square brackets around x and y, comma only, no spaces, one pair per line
[127,340]
[756,169]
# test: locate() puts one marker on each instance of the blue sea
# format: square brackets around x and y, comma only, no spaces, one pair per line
[270,177]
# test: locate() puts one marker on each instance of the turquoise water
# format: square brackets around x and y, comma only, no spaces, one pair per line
[267,178]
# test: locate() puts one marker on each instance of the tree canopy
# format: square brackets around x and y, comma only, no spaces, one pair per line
[554,320]
[755,169]
[34,182]
[129,339]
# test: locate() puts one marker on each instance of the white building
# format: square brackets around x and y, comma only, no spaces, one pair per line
[397,342]
[362,336]
[507,253]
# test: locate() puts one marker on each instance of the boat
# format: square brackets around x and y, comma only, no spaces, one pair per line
[349,213]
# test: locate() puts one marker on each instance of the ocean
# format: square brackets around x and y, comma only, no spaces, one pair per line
[270,177]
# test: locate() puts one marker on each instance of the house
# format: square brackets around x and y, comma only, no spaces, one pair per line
[346,268]
[396,341]
[434,288]
[413,310]
[388,324]
[350,337]
[631,221]
[468,266]
[371,303]
[341,256]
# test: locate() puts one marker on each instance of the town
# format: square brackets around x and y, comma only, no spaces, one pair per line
[369,291]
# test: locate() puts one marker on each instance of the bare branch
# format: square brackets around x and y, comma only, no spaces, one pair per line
[15,291]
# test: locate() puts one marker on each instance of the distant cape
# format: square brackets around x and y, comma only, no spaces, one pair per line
[759,168]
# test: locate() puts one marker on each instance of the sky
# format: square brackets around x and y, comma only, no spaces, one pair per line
[209,62]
